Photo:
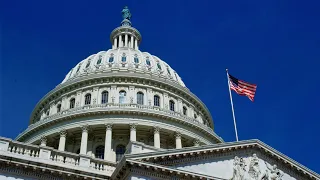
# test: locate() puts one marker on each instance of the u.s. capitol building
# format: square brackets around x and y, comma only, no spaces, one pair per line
[126,114]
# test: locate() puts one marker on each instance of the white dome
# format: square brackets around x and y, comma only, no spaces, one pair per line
[103,62]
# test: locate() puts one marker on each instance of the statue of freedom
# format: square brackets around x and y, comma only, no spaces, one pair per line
[126,13]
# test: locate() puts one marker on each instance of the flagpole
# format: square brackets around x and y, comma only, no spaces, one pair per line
[234,117]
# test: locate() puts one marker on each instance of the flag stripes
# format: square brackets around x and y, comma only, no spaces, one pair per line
[242,88]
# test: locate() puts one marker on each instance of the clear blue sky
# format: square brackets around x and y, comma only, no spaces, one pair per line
[274,44]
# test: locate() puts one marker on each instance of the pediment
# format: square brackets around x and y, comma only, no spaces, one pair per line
[238,160]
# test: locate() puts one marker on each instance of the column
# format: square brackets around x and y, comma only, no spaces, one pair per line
[95,95]
[64,104]
[133,132]
[126,40]
[156,137]
[84,139]
[115,43]
[120,40]
[136,44]
[180,106]
[108,141]
[43,141]
[78,101]
[131,41]
[62,141]
[178,140]
[196,143]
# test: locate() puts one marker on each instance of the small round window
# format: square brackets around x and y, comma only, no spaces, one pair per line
[159,66]
[111,59]
[136,60]
[99,60]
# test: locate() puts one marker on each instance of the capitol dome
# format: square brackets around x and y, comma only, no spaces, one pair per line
[118,96]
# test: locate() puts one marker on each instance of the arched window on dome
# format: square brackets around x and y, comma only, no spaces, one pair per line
[72,103]
[104,97]
[123,58]
[58,108]
[156,100]
[111,58]
[99,152]
[87,99]
[122,97]
[171,105]
[140,98]
[168,71]
[99,60]
[78,67]
[136,59]
[195,116]
[88,64]
[148,61]
[159,66]
[120,150]
[184,110]
[47,112]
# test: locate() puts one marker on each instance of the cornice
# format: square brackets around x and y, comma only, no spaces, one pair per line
[99,79]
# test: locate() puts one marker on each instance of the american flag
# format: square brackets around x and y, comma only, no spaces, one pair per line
[242,88]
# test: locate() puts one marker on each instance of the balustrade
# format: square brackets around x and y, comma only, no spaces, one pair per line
[130,105]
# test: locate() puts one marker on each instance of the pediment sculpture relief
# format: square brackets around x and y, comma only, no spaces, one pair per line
[254,170]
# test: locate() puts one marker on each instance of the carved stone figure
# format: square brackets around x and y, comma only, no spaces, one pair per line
[272,173]
[254,172]
[254,169]
[126,13]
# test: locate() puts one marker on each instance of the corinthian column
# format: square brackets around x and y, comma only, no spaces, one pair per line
[84,139]
[156,137]
[120,40]
[131,41]
[133,132]
[135,44]
[108,141]
[178,140]
[62,141]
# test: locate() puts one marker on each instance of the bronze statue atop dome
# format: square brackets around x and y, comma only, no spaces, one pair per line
[126,13]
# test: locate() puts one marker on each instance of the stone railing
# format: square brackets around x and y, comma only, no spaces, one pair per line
[114,106]
[49,156]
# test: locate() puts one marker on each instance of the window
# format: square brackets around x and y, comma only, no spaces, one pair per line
[47,112]
[184,110]
[159,66]
[140,98]
[136,60]
[87,99]
[100,152]
[99,60]
[148,61]
[122,97]
[171,104]
[195,116]
[88,64]
[176,76]
[78,67]
[72,102]
[78,151]
[156,100]
[104,97]
[111,59]
[59,108]
[124,58]
[168,71]
[120,150]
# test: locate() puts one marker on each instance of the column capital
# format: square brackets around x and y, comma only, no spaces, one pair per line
[133,126]
[85,128]
[196,142]
[156,129]
[43,140]
[177,134]
[109,126]
[63,133]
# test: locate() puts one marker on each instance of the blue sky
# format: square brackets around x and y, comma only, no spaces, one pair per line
[274,44]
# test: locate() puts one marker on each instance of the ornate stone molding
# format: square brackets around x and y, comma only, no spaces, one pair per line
[196,142]
[177,134]
[43,140]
